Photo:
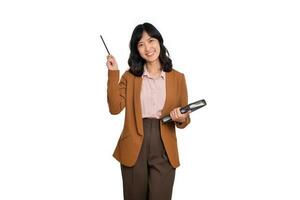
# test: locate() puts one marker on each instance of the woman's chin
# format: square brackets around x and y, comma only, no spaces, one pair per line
[151,60]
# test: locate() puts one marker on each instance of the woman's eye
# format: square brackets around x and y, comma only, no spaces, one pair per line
[140,45]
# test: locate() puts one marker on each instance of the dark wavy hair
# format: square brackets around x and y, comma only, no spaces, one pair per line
[135,61]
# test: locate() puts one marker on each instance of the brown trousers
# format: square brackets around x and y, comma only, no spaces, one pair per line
[152,177]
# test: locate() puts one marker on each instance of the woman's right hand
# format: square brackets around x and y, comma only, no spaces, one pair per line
[111,63]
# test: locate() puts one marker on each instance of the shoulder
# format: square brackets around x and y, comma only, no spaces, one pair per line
[127,75]
[176,73]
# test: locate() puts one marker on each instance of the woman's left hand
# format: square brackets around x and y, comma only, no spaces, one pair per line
[177,116]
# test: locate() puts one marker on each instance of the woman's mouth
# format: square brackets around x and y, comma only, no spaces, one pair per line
[150,54]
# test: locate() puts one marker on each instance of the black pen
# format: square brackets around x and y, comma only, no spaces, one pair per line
[104,45]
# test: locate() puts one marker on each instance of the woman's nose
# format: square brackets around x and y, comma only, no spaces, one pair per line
[147,47]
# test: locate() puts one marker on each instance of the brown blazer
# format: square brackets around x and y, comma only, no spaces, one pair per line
[126,93]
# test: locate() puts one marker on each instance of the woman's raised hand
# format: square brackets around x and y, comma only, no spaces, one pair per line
[111,63]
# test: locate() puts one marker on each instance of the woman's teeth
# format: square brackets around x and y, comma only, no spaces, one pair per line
[150,54]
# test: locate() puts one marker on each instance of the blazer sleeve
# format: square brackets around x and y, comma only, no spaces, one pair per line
[183,102]
[116,92]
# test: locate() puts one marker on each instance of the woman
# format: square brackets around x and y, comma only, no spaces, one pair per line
[149,90]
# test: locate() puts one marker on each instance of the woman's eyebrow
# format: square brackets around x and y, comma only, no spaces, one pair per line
[145,39]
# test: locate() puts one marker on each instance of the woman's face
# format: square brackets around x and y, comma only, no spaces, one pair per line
[148,48]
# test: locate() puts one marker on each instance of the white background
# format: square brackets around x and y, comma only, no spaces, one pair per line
[57,136]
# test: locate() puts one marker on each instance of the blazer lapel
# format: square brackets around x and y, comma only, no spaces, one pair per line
[165,110]
[137,104]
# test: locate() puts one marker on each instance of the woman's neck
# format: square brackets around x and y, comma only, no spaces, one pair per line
[153,68]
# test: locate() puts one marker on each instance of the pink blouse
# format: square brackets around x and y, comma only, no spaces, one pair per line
[153,94]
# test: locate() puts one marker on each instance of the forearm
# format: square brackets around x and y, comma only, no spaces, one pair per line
[183,102]
[115,92]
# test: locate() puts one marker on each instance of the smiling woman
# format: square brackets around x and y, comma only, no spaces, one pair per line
[146,45]
[150,89]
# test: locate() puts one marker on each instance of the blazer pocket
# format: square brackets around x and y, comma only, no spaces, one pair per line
[173,130]
[124,135]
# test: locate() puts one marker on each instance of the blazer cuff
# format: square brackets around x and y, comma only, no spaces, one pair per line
[113,74]
[183,124]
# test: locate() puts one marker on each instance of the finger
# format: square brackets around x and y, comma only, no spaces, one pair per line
[111,62]
[183,116]
[188,113]
[175,115]
[109,58]
[172,115]
[178,113]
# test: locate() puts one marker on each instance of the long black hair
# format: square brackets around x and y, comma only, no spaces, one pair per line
[135,61]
